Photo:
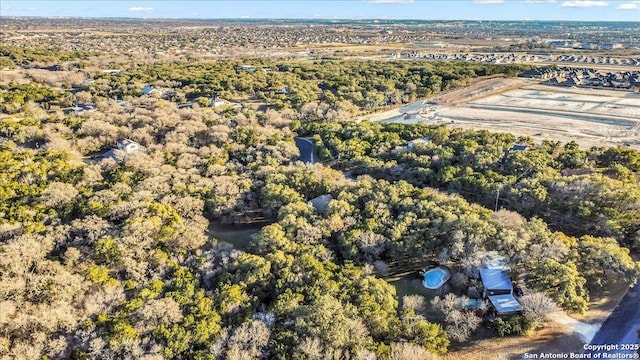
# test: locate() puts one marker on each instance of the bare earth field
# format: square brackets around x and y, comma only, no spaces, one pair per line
[590,117]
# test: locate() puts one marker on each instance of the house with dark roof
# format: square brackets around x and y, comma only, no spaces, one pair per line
[321,203]
[248,68]
[531,74]
[515,147]
[306,147]
[542,73]
[572,81]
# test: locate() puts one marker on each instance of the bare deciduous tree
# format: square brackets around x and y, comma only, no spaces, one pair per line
[413,305]
[537,305]
[409,351]
[509,219]
[371,245]
[459,325]
[381,267]
[249,341]
[58,193]
[158,312]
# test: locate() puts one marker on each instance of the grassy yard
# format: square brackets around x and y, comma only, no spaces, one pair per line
[410,283]
[237,235]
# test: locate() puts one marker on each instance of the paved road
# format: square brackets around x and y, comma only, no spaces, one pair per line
[306,150]
[622,326]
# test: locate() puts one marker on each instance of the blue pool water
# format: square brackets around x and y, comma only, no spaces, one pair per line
[435,278]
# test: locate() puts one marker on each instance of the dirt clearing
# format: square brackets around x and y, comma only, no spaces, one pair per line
[553,338]
[590,117]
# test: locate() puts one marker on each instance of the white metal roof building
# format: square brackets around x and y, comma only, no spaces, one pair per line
[505,304]
[498,289]
[495,281]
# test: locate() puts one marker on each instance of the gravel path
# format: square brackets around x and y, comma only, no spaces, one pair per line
[586,331]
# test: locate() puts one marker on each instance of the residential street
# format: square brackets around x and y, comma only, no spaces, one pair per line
[622,326]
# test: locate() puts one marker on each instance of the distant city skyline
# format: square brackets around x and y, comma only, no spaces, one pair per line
[575,10]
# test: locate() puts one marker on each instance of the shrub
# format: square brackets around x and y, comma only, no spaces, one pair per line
[513,325]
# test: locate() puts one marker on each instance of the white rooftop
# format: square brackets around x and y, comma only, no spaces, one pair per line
[495,279]
[505,303]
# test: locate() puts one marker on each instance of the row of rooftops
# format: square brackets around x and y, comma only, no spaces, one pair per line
[518,58]
[585,77]
[625,80]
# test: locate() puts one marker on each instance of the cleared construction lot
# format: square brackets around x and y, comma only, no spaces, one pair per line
[590,117]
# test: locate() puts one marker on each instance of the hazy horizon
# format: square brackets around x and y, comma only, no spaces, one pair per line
[485,10]
[304,19]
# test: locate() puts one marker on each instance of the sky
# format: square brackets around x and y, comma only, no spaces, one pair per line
[575,10]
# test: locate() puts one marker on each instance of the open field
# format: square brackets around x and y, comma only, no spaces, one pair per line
[585,101]
[590,117]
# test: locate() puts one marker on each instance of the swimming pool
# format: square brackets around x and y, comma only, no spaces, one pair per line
[435,278]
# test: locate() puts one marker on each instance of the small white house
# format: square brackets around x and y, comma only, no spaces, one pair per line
[216,102]
[129,146]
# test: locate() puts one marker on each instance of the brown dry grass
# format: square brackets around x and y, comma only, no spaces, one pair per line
[481,88]
[17,76]
[553,338]
[54,78]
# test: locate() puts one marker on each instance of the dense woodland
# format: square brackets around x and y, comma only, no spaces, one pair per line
[113,259]
[320,90]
